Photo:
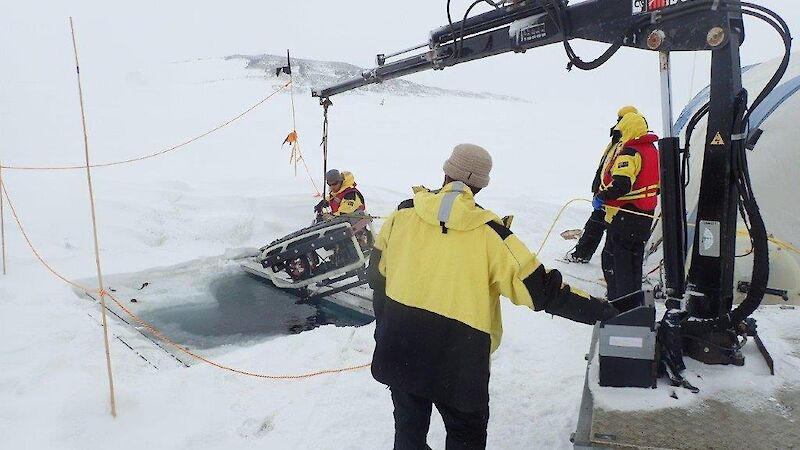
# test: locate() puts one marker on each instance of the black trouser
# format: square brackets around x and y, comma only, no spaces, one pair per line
[592,235]
[412,418]
[623,256]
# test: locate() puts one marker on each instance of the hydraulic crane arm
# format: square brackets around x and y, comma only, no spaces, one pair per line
[529,24]
[702,302]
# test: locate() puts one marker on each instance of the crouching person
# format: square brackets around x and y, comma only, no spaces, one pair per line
[439,267]
[344,197]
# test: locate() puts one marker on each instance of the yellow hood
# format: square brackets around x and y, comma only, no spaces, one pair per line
[454,205]
[632,126]
[625,110]
[348,182]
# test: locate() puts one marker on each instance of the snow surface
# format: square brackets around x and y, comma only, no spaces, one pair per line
[235,190]
[310,74]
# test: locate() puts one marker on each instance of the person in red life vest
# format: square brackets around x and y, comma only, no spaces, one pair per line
[596,225]
[343,197]
[629,194]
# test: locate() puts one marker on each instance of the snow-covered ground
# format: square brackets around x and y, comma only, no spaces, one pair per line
[234,189]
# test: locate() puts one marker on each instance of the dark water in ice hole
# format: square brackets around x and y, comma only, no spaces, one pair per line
[242,309]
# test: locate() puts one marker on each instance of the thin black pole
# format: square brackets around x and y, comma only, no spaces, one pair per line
[325,102]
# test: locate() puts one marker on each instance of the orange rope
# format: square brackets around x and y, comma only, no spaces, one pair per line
[33,249]
[159,153]
[155,331]
[295,157]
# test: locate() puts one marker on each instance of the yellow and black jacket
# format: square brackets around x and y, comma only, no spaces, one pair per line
[439,267]
[608,157]
[632,180]
[348,199]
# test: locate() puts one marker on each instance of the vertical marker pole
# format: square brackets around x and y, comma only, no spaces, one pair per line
[94,228]
[2,220]
[291,90]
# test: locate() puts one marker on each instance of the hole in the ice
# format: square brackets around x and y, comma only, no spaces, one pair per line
[240,309]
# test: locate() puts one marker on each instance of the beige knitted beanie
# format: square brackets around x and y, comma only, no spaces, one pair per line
[469,163]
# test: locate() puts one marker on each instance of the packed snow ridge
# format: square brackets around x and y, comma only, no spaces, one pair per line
[309,73]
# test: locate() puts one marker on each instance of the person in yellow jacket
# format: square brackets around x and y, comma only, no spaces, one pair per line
[343,197]
[629,192]
[596,225]
[438,269]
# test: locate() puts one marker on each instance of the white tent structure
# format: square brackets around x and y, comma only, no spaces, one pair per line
[774,164]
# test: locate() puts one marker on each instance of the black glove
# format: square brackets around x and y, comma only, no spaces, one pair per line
[550,294]
[607,310]
[322,204]
[581,309]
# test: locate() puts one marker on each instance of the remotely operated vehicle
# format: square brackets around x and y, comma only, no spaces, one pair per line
[700,320]
[327,257]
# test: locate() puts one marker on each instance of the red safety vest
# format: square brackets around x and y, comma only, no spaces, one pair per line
[336,199]
[644,192]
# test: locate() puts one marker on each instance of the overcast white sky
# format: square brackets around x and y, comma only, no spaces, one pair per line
[118,37]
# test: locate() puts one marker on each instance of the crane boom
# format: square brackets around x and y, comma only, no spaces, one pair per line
[701,303]
[536,23]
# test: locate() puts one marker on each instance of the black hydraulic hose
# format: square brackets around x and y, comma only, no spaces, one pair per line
[576,61]
[559,16]
[756,227]
[784,32]
[760,275]
[460,46]
[780,26]
[694,120]
[743,215]
[691,7]
[685,168]
[456,46]
[766,10]
[776,77]
[758,232]
[452,28]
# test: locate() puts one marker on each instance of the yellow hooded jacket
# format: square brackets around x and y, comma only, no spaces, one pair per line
[627,164]
[610,151]
[439,267]
[348,198]
[460,273]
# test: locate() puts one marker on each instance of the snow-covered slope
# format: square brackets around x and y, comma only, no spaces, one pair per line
[311,74]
